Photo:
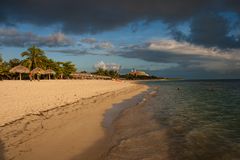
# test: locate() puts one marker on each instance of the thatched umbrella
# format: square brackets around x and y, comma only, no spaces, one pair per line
[38,71]
[49,72]
[19,69]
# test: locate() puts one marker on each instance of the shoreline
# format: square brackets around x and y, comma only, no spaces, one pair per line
[128,138]
[62,132]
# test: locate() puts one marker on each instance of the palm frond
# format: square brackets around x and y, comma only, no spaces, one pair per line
[25,54]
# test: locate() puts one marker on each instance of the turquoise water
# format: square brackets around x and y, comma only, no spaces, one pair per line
[202,118]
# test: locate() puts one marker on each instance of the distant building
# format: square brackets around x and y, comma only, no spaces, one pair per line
[138,73]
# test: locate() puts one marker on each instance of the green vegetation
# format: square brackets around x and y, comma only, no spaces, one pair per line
[68,68]
[4,68]
[134,77]
[35,57]
[105,72]
[115,74]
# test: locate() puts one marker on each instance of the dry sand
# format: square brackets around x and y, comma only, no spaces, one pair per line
[19,98]
[56,119]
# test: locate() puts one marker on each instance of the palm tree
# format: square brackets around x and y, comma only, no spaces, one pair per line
[59,69]
[35,56]
[14,62]
[4,68]
[64,69]
[68,68]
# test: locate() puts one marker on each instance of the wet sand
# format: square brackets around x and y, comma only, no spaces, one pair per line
[65,132]
[133,135]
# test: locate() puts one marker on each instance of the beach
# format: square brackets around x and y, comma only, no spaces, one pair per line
[57,119]
[152,120]
[179,120]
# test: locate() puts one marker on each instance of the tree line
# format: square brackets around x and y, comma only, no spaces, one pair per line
[105,72]
[35,57]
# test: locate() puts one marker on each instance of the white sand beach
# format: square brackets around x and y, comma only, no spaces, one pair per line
[19,98]
[58,119]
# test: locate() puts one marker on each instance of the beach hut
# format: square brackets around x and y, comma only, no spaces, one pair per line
[49,72]
[19,69]
[38,71]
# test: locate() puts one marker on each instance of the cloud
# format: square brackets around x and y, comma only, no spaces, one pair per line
[96,44]
[103,45]
[89,40]
[208,27]
[212,30]
[78,52]
[73,52]
[13,38]
[94,16]
[107,66]
[184,48]
[186,55]
[234,4]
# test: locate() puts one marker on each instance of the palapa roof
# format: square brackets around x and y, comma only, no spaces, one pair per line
[50,71]
[38,71]
[19,69]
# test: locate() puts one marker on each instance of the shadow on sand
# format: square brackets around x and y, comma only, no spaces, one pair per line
[2,150]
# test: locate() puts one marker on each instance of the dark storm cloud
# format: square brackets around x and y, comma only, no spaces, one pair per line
[79,16]
[13,38]
[91,16]
[160,56]
[211,30]
[233,4]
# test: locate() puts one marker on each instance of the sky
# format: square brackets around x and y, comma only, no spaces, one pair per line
[192,39]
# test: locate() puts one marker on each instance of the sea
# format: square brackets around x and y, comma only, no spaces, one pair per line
[186,120]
